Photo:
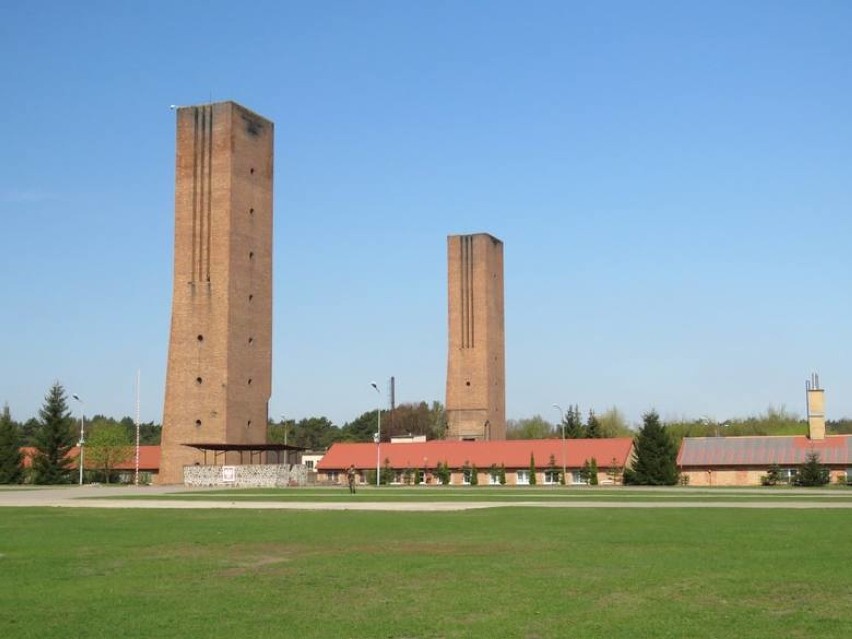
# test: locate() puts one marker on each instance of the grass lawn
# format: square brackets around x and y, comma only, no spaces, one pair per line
[504,572]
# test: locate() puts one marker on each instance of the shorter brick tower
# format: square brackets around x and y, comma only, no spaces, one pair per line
[219,376]
[476,379]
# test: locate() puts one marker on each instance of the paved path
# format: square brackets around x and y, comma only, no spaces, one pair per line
[87,497]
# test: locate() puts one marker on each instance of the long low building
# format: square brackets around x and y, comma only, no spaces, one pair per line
[149,463]
[744,461]
[494,461]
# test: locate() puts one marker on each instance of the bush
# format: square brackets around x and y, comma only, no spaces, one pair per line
[442,472]
[772,476]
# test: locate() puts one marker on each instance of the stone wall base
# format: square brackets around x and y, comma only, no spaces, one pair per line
[247,476]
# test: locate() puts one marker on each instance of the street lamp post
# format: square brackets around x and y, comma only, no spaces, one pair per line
[378,436]
[82,433]
[562,415]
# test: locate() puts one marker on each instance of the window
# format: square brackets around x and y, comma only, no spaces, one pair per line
[333,476]
[309,464]
[466,475]
[788,475]
[523,478]
[577,478]
[493,479]
[551,477]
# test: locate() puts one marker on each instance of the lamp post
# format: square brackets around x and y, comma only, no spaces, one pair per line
[562,415]
[378,436]
[82,433]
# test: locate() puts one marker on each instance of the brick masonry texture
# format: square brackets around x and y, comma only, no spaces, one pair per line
[219,376]
[476,386]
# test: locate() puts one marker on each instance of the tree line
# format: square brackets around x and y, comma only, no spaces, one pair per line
[109,442]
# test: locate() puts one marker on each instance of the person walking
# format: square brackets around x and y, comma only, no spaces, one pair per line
[350,476]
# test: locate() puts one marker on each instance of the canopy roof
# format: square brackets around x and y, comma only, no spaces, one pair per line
[254,447]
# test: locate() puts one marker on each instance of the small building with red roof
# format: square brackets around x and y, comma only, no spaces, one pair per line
[420,462]
[744,461]
[149,463]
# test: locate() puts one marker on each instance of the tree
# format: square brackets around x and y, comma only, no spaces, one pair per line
[53,440]
[11,459]
[535,427]
[415,419]
[593,472]
[312,433]
[812,472]
[533,480]
[614,471]
[593,426]
[613,424]
[362,428]
[654,455]
[573,423]
[586,472]
[107,447]
[28,430]
[443,473]
[552,470]
[772,476]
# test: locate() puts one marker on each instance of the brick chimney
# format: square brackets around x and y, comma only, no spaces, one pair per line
[816,408]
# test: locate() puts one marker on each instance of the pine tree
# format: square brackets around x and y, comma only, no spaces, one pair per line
[573,423]
[812,473]
[53,440]
[585,472]
[613,471]
[593,426]
[532,470]
[11,459]
[593,472]
[655,456]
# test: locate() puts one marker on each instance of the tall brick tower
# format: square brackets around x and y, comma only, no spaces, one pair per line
[219,376]
[476,378]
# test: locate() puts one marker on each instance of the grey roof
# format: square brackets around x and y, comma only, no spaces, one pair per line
[835,450]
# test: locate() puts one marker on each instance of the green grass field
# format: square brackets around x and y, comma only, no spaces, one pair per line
[502,572]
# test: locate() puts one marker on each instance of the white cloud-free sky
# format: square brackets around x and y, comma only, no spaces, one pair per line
[671,181]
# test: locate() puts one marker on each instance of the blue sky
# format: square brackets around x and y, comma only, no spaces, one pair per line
[671,181]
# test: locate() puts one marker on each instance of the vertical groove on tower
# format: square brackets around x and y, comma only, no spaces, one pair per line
[195,180]
[209,188]
[471,308]
[466,292]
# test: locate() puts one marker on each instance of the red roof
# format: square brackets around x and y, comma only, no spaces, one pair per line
[513,453]
[149,458]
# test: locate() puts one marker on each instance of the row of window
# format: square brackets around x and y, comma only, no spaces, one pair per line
[522,477]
